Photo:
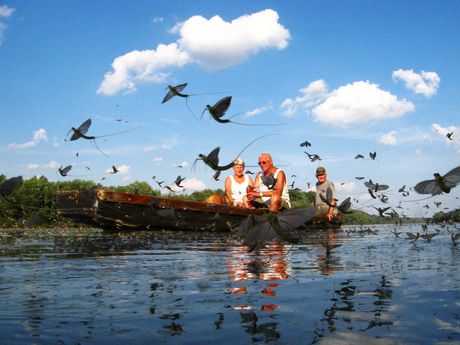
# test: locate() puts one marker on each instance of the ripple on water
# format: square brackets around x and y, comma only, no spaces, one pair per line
[358,285]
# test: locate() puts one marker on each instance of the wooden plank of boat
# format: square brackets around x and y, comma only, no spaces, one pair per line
[117,210]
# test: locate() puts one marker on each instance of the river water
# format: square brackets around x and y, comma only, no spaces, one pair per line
[352,286]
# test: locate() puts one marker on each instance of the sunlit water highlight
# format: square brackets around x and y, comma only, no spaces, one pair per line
[89,287]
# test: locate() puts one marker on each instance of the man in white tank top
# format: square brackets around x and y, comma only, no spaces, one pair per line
[270,186]
[236,186]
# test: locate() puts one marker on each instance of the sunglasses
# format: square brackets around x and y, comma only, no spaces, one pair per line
[263,162]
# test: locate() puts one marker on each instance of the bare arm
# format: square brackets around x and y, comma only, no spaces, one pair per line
[330,212]
[228,190]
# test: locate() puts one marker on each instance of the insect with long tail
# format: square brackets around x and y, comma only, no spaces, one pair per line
[177,91]
[313,156]
[81,131]
[212,159]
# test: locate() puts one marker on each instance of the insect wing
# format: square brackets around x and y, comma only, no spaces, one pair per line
[369,185]
[325,200]
[294,218]
[345,205]
[173,91]
[428,187]
[269,180]
[10,185]
[180,87]
[246,224]
[66,169]
[382,187]
[221,106]
[452,178]
[168,96]
[84,126]
[213,156]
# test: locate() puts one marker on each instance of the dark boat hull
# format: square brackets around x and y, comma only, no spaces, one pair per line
[127,211]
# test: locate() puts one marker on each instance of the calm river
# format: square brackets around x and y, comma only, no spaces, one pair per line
[90,287]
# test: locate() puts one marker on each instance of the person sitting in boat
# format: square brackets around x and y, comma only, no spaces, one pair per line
[326,196]
[270,186]
[236,185]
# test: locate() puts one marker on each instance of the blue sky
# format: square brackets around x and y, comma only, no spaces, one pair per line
[351,77]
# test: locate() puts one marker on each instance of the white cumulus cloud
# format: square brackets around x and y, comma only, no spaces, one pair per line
[157,19]
[216,44]
[425,83]
[6,11]
[52,165]
[149,148]
[212,43]
[39,135]
[258,111]
[194,184]
[33,166]
[312,95]
[141,67]
[360,102]
[346,187]
[389,138]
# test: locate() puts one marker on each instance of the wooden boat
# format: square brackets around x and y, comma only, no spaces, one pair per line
[123,211]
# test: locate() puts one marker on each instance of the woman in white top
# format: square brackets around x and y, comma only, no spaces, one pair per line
[237,184]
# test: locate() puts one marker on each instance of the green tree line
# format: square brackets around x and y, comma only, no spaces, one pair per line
[35,201]
[451,216]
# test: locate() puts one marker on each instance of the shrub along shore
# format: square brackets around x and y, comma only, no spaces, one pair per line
[37,198]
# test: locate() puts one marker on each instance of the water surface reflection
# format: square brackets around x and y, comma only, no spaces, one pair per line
[359,285]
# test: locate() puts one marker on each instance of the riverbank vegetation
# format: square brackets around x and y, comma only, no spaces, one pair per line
[34,202]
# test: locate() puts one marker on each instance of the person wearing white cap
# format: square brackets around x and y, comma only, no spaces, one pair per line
[326,196]
[236,185]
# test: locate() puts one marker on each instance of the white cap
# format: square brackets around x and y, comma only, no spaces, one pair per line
[238,161]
